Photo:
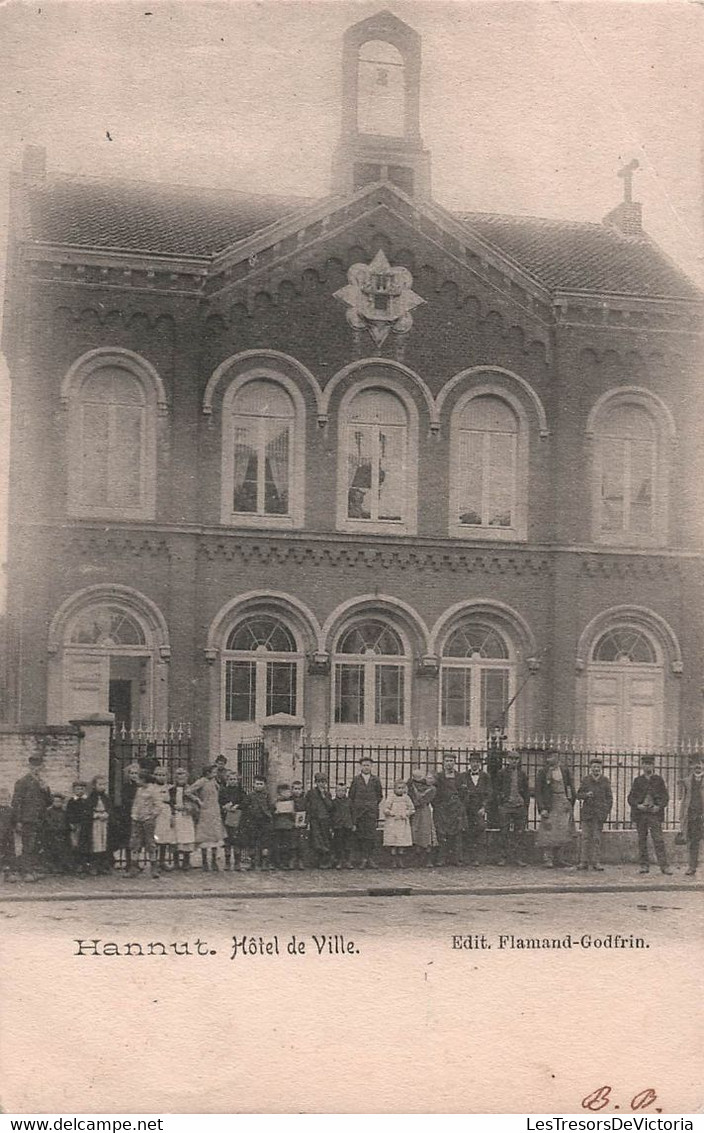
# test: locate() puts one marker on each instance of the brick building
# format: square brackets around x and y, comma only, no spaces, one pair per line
[402,472]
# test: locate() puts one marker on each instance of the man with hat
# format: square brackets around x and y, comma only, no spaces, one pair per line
[692,813]
[514,796]
[477,797]
[30,800]
[647,799]
[597,799]
[365,794]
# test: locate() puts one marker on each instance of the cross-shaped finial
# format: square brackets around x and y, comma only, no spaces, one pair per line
[627,174]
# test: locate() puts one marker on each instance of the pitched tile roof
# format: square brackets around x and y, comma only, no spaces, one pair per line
[144,217]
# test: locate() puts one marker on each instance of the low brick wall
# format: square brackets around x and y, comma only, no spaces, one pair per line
[57,744]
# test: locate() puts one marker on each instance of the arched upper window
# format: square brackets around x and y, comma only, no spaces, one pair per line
[630,472]
[381,89]
[476,681]
[488,479]
[378,488]
[371,678]
[263,670]
[112,441]
[623,645]
[106,626]
[262,454]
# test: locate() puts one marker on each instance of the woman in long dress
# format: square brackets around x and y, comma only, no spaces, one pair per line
[421,791]
[554,798]
[209,828]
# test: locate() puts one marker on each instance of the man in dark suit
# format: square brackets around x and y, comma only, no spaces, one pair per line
[30,800]
[476,789]
[514,796]
[648,798]
[365,795]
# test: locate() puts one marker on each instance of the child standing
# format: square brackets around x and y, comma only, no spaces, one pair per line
[209,831]
[258,819]
[421,792]
[342,827]
[184,808]
[319,813]
[284,818]
[398,809]
[8,863]
[300,826]
[78,818]
[146,805]
[163,831]
[231,797]
[57,850]
[96,835]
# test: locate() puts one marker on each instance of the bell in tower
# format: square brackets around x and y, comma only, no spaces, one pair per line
[380,138]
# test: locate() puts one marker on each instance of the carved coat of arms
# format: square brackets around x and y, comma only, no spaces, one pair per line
[379,297]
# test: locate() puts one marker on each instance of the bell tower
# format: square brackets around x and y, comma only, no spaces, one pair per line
[380,138]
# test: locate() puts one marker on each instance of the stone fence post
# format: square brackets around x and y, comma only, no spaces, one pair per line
[94,745]
[282,741]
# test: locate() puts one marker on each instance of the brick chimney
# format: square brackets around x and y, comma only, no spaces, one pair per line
[628,215]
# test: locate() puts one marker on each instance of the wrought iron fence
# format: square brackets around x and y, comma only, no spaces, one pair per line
[340,762]
[251,761]
[169,747]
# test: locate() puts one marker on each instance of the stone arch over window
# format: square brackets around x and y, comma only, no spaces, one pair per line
[257,646]
[489,475]
[113,397]
[108,651]
[627,692]
[263,451]
[274,361]
[485,650]
[505,380]
[377,458]
[631,432]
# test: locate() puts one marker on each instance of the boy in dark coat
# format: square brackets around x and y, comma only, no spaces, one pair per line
[8,863]
[513,796]
[597,798]
[30,800]
[477,799]
[284,818]
[365,795]
[258,817]
[319,815]
[342,826]
[57,848]
[648,798]
[78,816]
[231,798]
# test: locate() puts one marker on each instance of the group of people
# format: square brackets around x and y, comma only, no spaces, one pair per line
[437,818]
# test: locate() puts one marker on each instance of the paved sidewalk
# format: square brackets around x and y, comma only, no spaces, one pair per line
[486,881]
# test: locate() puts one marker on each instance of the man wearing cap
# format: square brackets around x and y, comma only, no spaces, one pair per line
[514,795]
[597,799]
[648,798]
[365,794]
[30,800]
[692,813]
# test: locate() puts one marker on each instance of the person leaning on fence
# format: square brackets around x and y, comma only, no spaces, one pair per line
[319,814]
[554,799]
[597,799]
[8,863]
[477,798]
[184,810]
[421,791]
[146,805]
[300,825]
[30,799]
[513,794]
[449,812]
[692,814]
[647,799]
[366,794]
[258,818]
[341,825]
[231,798]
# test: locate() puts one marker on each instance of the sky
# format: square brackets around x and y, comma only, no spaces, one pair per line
[527,108]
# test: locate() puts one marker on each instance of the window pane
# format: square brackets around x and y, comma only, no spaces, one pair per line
[371,636]
[455,697]
[470,478]
[240,686]
[245,471]
[392,472]
[500,477]
[263,399]
[281,687]
[95,454]
[359,473]
[261,630]
[489,414]
[277,469]
[642,459]
[612,485]
[388,688]
[349,694]
[473,637]
[494,697]
[125,456]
